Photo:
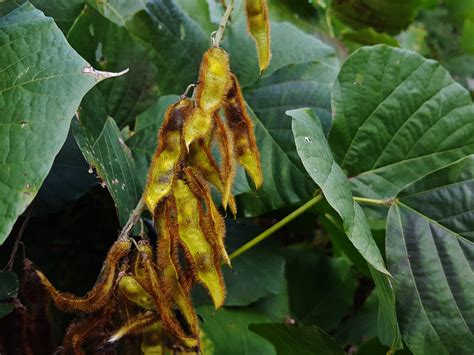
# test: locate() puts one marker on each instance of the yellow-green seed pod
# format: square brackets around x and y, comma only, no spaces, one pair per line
[198,250]
[135,293]
[214,79]
[168,154]
[258,24]
[197,126]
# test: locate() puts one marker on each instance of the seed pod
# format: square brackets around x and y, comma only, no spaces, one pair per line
[197,126]
[167,155]
[258,24]
[201,158]
[214,79]
[241,127]
[167,260]
[213,225]
[152,340]
[136,325]
[198,250]
[163,306]
[102,290]
[135,293]
[144,251]
[228,163]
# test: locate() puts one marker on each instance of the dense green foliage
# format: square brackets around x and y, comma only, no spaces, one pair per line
[365,125]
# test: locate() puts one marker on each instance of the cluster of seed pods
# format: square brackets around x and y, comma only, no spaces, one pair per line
[147,291]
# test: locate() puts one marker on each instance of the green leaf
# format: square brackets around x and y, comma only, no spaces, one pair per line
[397,117]
[64,12]
[109,47]
[41,84]
[258,273]
[289,340]
[102,145]
[367,36]
[118,11]
[320,289]
[175,43]
[5,309]
[430,252]
[227,329]
[317,158]
[389,16]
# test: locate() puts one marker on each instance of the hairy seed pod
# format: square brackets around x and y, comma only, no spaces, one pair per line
[135,325]
[167,261]
[163,306]
[201,158]
[241,127]
[167,155]
[228,163]
[152,340]
[100,293]
[258,24]
[82,330]
[213,225]
[198,250]
[198,126]
[134,292]
[144,249]
[214,79]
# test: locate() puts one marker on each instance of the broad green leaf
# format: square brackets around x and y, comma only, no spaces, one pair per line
[318,161]
[320,289]
[109,47]
[387,326]
[6,308]
[289,340]
[42,81]
[227,329]
[367,36]
[397,117]
[258,273]
[389,16]
[118,11]
[104,148]
[174,42]
[430,252]
[64,12]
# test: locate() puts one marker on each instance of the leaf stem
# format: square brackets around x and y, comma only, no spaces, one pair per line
[259,238]
[219,34]
[133,219]
[374,202]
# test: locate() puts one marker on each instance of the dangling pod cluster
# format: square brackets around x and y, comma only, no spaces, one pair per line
[146,290]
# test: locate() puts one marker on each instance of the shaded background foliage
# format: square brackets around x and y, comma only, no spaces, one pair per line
[320,271]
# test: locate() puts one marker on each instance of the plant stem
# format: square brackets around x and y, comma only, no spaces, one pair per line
[133,219]
[259,238]
[219,34]
[373,202]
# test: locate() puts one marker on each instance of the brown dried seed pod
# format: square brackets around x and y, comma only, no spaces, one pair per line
[241,127]
[228,163]
[170,269]
[102,290]
[135,325]
[168,153]
[163,305]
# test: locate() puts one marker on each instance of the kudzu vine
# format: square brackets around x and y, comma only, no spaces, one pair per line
[147,292]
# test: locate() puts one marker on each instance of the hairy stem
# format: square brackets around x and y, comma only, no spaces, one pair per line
[259,238]
[133,219]
[224,19]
